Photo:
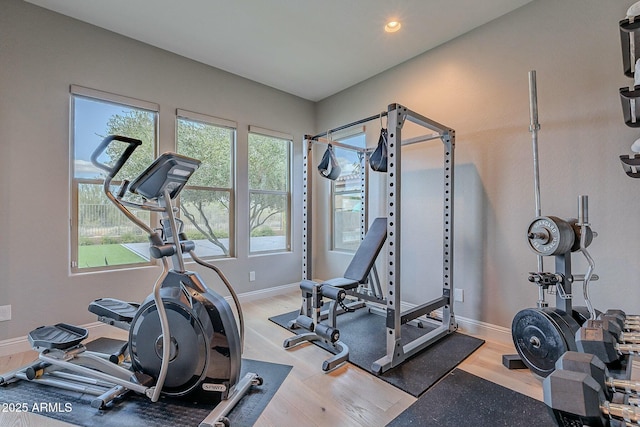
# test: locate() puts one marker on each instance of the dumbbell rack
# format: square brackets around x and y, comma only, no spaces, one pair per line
[630,96]
[576,397]
[629,29]
[582,391]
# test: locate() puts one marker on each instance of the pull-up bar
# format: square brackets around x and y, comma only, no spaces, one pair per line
[321,140]
[348,125]
[412,117]
[408,141]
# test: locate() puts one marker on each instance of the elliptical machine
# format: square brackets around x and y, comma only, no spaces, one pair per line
[202,361]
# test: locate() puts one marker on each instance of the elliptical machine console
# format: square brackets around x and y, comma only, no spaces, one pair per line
[183,338]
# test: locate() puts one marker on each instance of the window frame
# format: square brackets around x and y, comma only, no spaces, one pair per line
[233,126]
[286,193]
[75,92]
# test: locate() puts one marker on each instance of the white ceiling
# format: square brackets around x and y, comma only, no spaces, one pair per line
[309,48]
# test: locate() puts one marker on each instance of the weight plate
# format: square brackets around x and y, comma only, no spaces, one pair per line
[581,314]
[539,339]
[577,231]
[568,326]
[550,235]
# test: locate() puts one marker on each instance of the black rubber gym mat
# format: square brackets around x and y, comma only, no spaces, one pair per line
[463,399]
[137,411]
[364,333]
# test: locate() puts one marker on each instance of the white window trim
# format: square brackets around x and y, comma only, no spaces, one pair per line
[269,132]
[112,97]
[206,119]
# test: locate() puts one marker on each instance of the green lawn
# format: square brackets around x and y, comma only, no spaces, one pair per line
[102,255]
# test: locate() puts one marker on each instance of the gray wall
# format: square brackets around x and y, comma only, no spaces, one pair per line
[478,85]
[42,53]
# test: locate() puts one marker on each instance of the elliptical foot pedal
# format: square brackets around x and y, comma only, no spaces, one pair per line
[60,336]
[114,309]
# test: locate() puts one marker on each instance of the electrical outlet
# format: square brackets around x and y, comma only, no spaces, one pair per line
[5,313]
[252,276]
[458,295]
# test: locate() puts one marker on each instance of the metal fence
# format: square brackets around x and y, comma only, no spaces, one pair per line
[100,220]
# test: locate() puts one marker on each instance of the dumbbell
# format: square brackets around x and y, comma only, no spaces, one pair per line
[595,368]
[576,399]
[593,338]
[625,322]
[614,326]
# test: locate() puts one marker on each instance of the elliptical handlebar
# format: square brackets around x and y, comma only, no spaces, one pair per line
[113,170]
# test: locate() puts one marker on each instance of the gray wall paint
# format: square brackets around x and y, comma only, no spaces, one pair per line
[478,85]
[42,54]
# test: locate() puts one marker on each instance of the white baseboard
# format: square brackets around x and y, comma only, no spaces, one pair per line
[486,331]
[267,293]
[478,329]
[99,329]
[13,346]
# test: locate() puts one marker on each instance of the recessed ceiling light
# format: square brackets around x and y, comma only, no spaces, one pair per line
[392,26]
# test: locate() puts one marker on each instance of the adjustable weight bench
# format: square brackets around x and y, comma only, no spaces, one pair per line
[354,283]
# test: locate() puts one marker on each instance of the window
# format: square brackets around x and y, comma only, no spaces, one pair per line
[346,196]
[102,237]
[207,203]
[269,190]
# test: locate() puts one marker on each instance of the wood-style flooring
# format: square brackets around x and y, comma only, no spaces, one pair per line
[348,396]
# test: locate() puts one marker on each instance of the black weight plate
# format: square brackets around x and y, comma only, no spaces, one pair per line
[581,314]
[568,326]
[539,339]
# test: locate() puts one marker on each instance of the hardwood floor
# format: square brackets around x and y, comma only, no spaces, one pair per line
[348,396]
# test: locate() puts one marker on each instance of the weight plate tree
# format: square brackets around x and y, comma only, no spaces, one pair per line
[541,335]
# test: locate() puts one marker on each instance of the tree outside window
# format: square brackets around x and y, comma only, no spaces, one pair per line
[206,204]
